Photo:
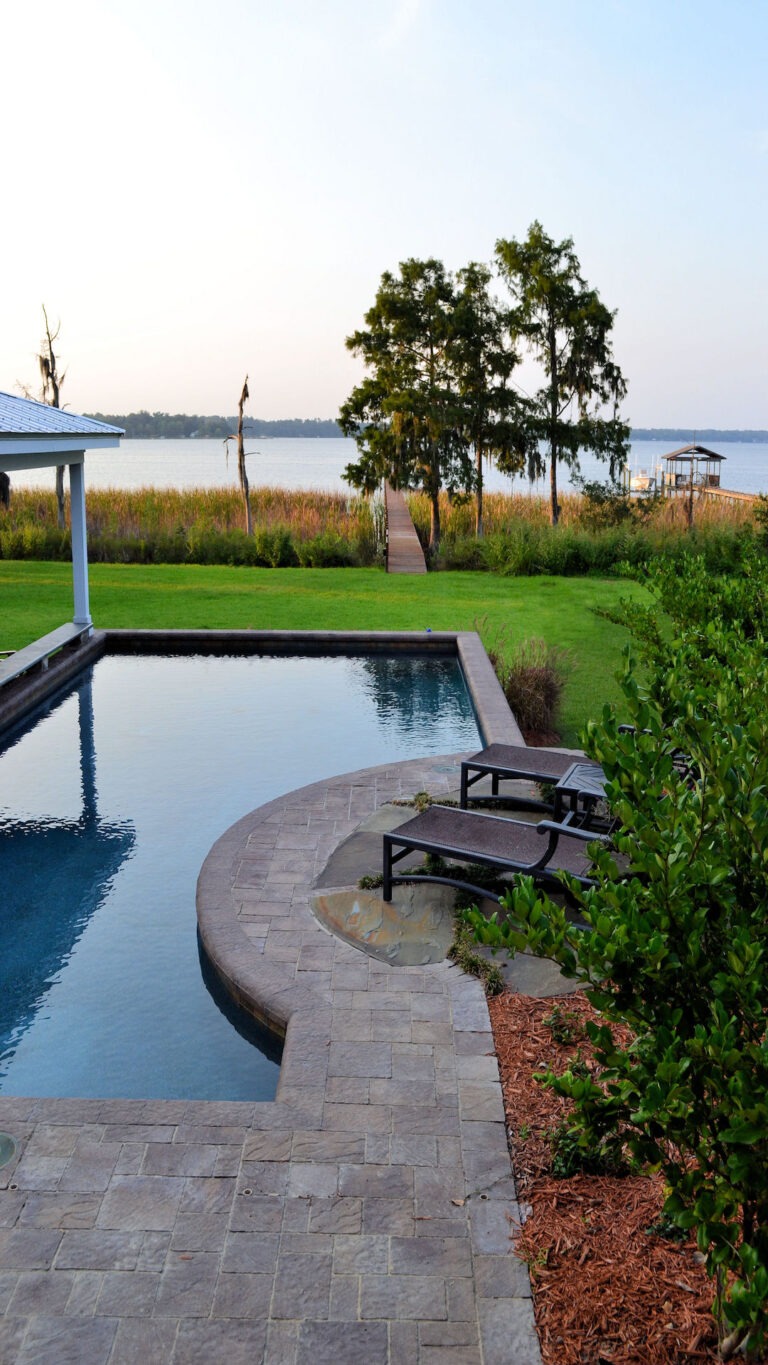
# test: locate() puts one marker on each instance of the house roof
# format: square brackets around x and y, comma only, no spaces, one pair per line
[25,417]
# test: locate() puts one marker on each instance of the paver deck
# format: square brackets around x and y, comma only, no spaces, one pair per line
[365,1216]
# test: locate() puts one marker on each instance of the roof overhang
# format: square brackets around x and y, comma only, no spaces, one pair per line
[41,452]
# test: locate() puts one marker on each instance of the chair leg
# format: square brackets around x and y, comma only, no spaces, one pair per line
[386,889]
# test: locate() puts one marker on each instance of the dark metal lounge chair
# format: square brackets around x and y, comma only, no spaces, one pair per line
[508,762]
[462,836]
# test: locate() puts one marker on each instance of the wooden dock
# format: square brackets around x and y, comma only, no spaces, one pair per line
[404,552]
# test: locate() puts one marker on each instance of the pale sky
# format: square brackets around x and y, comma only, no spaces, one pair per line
[200,188]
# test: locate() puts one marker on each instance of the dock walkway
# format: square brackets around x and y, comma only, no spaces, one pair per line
[404,552]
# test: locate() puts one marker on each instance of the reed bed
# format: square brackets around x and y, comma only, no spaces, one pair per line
[147,511]
[322,530]
[590,538]
[201,525]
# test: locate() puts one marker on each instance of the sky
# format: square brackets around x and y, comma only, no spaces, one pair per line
[196,189]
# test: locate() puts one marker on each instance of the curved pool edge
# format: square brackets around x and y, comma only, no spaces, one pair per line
[292,993]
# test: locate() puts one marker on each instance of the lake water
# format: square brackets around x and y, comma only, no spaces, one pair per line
[305,462]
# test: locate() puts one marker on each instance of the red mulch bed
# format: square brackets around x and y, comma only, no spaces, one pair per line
[606,1292]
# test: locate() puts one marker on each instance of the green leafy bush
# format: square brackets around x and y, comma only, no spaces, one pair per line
[676,943]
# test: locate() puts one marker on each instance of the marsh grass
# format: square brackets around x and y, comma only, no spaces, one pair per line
[520,541]
[200,525]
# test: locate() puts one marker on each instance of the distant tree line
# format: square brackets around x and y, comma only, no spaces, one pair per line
[146,425]
[687,434]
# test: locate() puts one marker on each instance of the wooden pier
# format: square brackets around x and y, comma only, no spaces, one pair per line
[404,552]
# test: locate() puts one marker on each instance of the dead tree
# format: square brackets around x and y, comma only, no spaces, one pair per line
[52,382]
[241,470]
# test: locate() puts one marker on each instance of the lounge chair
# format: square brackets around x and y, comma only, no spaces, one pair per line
[462,836]
[507,763]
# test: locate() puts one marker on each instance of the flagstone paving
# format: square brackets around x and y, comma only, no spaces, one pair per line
[366,1215]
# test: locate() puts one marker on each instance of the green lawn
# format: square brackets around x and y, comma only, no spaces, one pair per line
[38,596]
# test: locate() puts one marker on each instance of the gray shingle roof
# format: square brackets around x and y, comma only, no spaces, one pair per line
[24,417]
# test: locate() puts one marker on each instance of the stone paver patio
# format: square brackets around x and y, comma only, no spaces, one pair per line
[365,1216]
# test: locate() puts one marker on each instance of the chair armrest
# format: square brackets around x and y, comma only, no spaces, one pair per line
[588,836]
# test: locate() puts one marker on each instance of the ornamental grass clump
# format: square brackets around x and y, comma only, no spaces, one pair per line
[533,675]
[676,939]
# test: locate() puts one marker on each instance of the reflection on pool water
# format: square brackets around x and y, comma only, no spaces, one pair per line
[110,800]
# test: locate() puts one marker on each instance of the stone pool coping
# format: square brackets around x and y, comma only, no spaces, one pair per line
[496,722]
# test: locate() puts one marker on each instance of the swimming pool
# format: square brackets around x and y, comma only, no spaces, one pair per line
[110,798]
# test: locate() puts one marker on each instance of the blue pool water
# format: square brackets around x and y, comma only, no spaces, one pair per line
[109,801]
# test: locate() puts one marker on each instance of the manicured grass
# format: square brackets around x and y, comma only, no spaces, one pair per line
[37,597]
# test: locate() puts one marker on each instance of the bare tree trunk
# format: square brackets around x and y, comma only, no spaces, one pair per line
[52,383]
[61,520]
[5,489]
[479,494]
[554,510]
[241,460]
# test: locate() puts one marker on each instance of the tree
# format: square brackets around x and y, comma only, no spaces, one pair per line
[241,470]
[406,414]
[493,414]
[52,382]
[567,329]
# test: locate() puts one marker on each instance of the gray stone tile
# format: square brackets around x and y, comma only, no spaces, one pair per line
[86,1287]
[322,1343]
[187,1286]
[237,1343]
[154,1249]
[267,1146]
[333,1146]
[344,1305]
[313,1178]
[360,1059]
[199,1232]
[141,1202]
[501,1277]
[361,1255]
[339,1215]
[403,1296]
[242,1295]
[25,1248]
[381,1182]
[394,1216]
[67,1341]
[257,1213]
[302,1282]
[207,1195]
[12,1332]
[448,1257]
[282,1343]
[47,1210]
[127,1294]
[40,1291]
[492,1226]
[140,1341]
[403,1343]
[508,1332]
[251,1252]
[97,1249]
[179,1159]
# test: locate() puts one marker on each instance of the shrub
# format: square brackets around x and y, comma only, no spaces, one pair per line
[676,943]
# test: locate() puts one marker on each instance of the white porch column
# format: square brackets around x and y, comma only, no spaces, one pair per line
[82,616]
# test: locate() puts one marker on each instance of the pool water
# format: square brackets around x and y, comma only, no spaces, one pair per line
[110,799]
